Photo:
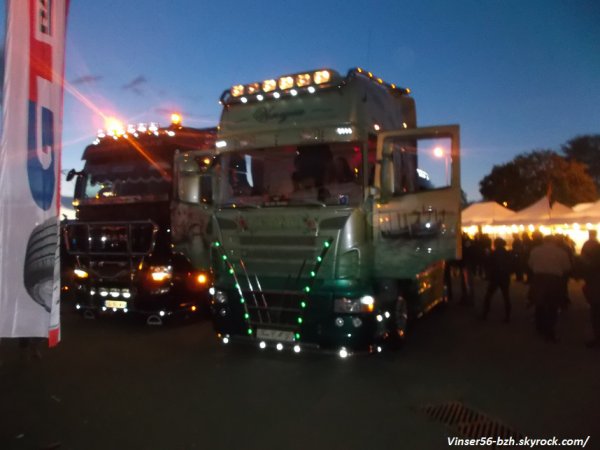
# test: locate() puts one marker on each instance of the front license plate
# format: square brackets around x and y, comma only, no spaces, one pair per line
[115,304]
[274,335]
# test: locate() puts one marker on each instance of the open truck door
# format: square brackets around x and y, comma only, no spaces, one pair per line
[416,210]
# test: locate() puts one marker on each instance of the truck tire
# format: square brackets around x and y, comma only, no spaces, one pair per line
[40,258]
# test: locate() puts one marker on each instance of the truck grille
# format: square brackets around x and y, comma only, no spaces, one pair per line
[278,310]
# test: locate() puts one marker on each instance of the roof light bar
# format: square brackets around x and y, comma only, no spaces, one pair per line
[115,129]
[296,84]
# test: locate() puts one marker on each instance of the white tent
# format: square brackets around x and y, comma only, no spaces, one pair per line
[558,219]
[484,213]
[589,214]
[539,212]
[581,206]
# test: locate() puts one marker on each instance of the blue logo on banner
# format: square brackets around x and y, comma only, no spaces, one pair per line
[41,179]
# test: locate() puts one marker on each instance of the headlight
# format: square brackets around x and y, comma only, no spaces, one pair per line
[364,304]
[220,297]
[161,273]
[79,273]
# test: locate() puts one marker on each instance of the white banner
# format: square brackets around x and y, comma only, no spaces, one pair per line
[30,167]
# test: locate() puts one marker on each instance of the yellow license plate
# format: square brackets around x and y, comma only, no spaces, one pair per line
[115,304]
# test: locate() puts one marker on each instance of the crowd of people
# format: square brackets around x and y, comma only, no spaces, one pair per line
[545,264]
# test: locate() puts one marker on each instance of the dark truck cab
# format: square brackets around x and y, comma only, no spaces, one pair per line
[120,246]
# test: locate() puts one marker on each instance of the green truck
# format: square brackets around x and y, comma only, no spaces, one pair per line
[326,230]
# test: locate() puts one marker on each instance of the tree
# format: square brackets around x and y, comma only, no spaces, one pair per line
[586,150]
[529,176]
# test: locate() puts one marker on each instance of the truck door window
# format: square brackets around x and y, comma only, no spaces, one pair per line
[415,166]
[434,170]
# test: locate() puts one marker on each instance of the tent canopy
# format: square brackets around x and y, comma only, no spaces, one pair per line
[589,214]
[483,213]
[539,212]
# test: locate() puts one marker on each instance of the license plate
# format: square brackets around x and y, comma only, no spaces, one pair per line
[274,335]
[115,304]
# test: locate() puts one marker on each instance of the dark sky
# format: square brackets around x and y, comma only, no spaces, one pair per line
[515,75]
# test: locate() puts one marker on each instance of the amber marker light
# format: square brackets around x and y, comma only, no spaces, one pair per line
[176,119]
[202,278]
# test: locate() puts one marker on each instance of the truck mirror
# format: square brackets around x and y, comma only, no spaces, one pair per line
[79,186]
[373,191]
[71,174]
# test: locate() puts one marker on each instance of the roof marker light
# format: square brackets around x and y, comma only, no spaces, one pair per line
[269,85]
[252,88]
[237,90]
[322,76]
[286,82]
[176,119]
[303,79]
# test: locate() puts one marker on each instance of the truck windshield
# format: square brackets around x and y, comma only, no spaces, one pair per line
[121,179]
[323,174]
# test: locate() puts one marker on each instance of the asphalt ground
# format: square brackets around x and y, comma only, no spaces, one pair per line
[119,384]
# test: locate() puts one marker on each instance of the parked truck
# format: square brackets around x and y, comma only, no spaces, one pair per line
[328,230]
[121,248]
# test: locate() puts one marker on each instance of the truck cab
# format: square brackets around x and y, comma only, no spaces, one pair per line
[124,255]
[328,230]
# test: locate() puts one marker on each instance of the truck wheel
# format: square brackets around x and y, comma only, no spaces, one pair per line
[398,323]
[40,257]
